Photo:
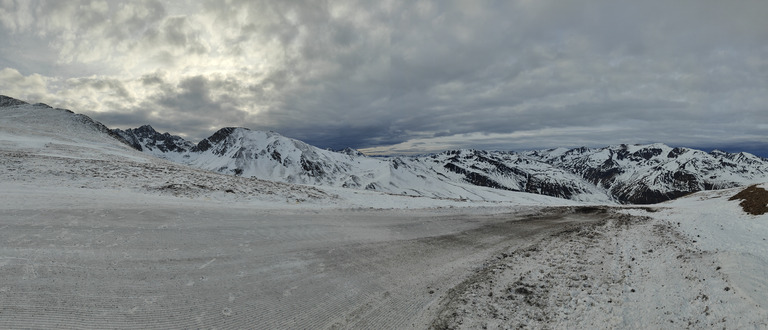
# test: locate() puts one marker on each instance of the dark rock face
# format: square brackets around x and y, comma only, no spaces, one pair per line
[146,137]
[646,153]
[544,186]
[312,168]
[676,152]
[475,178]
[7,101]
[645,195]
[214,139]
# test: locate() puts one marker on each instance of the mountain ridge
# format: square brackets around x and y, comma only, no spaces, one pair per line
[269,155]
[636,174]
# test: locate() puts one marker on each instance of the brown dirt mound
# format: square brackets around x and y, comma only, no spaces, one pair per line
[754,200]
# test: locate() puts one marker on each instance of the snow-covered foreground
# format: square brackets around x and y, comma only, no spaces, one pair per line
[698,262]
[112,259]
[100,258]
[735,240]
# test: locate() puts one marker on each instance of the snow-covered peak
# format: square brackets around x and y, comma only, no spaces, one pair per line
[42,130]
[236,142]
[54,121]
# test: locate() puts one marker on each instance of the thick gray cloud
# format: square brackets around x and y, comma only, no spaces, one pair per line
[403,77]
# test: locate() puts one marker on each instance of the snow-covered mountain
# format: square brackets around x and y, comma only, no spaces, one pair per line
[461,174]
[506,171]
[644,174]
[41,146]
[640,174]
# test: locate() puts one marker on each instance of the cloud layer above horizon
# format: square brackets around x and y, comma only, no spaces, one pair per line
[403,76]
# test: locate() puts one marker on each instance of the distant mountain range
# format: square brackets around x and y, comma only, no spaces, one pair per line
[637,174]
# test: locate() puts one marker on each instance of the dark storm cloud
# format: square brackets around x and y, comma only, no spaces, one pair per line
[176,32]
[426,75]
[198,103]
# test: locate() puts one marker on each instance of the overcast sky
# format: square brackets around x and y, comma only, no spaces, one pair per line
[403,76]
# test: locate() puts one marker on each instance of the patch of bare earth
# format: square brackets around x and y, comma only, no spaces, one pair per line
[754,200]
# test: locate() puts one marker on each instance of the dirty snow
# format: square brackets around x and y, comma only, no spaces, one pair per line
[698,262]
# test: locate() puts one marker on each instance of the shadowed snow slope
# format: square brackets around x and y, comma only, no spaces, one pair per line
[43,146]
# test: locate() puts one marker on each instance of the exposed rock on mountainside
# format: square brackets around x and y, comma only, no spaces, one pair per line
[645,174]
[6,101]
[508,171]
[147,139]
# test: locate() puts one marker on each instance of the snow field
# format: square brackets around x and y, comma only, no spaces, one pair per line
[624,272]
[735,240]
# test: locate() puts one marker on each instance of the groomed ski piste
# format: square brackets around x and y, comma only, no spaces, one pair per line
[98,235]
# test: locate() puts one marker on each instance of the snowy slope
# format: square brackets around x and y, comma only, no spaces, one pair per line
[645,174]
[698,262]
[735,240]
[56,149]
